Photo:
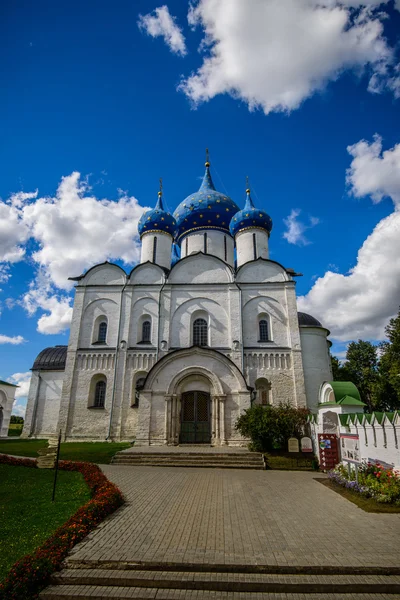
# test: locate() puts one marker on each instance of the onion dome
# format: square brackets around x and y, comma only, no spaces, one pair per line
[157,219]
[205,209]
[250,218]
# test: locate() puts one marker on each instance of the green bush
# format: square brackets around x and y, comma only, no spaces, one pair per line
[269,427]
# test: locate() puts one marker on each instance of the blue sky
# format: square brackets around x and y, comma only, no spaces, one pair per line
[280,93]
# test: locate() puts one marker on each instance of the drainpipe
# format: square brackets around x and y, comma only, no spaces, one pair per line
[116,363]
[159,316]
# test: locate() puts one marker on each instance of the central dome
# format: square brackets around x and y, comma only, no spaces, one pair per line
[205,209]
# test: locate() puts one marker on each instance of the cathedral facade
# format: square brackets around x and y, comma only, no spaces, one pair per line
[173,352]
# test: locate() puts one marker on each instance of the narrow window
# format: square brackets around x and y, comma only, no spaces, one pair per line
[200,332]
[100,394]
[187,246]
[264,397]
[146,331]
[263,327]
[138,387]
[154,250]
[225,249]
[102,333]
[205,243]
[254,246]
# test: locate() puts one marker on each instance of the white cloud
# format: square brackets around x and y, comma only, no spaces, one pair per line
[73,231]
[373,172]
[160,23]
[23,381]
[360,303]
[296,228]
[42,295]
[273,54]
[15,340]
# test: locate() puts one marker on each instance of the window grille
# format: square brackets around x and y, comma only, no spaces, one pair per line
[263,327]
[200,332]
[225,249]
[138,386]
[146,331]
[154,250]
[100,394]
[102,332]
[205,243]
[264,396]
[187,246]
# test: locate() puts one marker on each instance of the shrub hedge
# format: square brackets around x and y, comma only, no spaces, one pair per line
[31,574]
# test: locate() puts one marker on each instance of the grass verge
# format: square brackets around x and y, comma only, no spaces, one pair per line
[92,452]
[366,504]
[27,514]
[29,575]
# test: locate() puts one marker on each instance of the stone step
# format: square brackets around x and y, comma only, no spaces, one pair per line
[207,464]
[187,458]
[225,455]
[230,582]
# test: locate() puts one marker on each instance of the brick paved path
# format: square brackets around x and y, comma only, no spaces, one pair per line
[238,517]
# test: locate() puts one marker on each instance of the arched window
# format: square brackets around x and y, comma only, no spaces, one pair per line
[146,332]
[263,330]
[205,243]
[225,249]
[100,394]
[102,336]
[254,246]
[263,389]
[200,332]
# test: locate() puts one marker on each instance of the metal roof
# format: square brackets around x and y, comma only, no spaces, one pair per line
[306,320]
[51,359]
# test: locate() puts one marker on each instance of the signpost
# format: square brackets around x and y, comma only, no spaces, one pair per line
[350,449]
[56,466]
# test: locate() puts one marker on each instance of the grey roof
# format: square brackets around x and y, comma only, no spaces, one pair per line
[51,359]
[306,320]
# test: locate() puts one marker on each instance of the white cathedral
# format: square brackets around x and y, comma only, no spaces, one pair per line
[173,352]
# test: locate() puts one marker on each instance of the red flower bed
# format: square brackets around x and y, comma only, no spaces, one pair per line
[32,573]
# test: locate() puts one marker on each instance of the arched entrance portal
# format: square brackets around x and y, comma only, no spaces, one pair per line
[195,418]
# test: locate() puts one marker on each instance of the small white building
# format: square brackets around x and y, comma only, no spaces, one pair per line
[174,351]
[7,396]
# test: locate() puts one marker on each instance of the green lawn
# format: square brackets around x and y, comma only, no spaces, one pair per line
[15,429]
[27,515]
[94,452]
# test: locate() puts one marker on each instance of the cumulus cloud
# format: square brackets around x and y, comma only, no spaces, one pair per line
[160,23]
[72,231]
[14,340]
[273,54]
[296,228]
[21,393]
[22,380]
[359,304]
[374,173]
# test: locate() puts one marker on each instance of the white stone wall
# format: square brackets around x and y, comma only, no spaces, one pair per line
[47,404]
[163,249]
[194,242]
[245,245]
[7,395]
[378,442]
[316,363]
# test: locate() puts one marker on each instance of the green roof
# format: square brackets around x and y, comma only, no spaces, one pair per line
[350,401]
[8,383]
[343,419]
[341,389]
[390,416]
[378,416]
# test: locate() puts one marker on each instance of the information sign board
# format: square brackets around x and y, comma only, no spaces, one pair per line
[293,445]
[350,447]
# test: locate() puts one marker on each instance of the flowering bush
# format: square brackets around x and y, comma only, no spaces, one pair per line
[32,573]
[374,481]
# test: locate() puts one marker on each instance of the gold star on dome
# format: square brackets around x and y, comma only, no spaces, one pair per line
[223,222]
[247,215]
[201,216]
[167,227]
[218,201]
[200,200]
[191,208]
[155,224]
[185,219]
[194,223]
[208,196]
[209,206]
[260,215]
[162,219]
[148,218]
[217,216]
[208,221]
[227,209]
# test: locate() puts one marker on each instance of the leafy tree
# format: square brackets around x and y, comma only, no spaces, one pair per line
[388,388]
[269,427]
[362,368]
[339,371]
[16,419]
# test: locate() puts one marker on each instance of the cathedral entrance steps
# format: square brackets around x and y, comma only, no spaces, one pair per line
[139,582]
[224,460]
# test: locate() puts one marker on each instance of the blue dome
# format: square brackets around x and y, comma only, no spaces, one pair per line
[157,219]
[205,209]
[250,217]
